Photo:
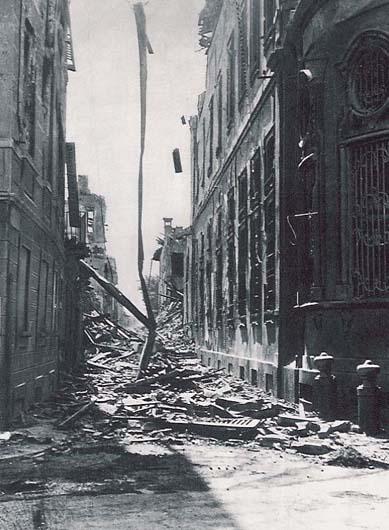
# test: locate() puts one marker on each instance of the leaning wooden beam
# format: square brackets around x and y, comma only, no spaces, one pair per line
[115,293]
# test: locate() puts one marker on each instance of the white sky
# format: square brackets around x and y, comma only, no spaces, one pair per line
[103,116]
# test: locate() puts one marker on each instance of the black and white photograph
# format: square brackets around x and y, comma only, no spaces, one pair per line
[194,264]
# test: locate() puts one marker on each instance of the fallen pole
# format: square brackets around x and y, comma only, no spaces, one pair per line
[115,293]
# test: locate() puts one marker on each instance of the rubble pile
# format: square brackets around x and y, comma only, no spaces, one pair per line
[179,399]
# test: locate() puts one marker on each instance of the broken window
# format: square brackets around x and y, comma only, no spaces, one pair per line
[270,223]
[209,275]
[178,264]
[243,51]
[369,174]
[23,291]
[90,221]
[219,116]
[243,248]
[29,88]
[204,156]
[195,278]
[219,271]
[43,287]
[201,283]
[231,268]
[255,36]
[269,12]
[255,241]
[230,80]
[211,118]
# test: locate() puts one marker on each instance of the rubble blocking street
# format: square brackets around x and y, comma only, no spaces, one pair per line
[192,436]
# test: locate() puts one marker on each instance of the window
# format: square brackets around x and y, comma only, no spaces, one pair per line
[270,223]
[201,283]
[255,240]
[23,293]
[43,288]
[269,12]
[369,174]
[243,52]
[209,275]
[255,36]
[177,264]
[231,269]
[90,221]
[219,271]
[194,280]
[219,116]
[243,248]
[29,88]
[369,78]
[204,155]
[230,80]
[211,118]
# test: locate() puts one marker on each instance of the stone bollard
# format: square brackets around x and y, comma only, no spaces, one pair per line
[324,388]
[368,398]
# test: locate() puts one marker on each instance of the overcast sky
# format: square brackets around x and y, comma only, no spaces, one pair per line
[103,116]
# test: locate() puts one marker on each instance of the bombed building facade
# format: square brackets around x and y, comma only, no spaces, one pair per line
[93,212]
[36,38]
[290,168]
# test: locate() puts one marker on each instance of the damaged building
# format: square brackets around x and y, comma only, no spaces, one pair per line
[34,73]
[288,251]
[171,262]
[93,211]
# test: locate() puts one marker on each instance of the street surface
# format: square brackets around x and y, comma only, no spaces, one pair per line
[193,486]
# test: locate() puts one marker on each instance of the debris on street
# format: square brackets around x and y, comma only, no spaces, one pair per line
[178,400]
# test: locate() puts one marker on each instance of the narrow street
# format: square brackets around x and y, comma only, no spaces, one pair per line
[194,264]
[123,462]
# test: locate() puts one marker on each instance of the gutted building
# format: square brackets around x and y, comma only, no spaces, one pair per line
[93,217]
[288,255]
[35,56]
[171,262]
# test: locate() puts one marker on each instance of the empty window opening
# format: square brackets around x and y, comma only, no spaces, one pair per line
[178,264]
[23,293]
[269,383]
[243,248]
[270,222]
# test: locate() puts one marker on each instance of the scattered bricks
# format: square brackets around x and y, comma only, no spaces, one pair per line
[302,429]
[315,449]
[268,440]
[341,426]
[336,426]
[239,404]
[325,431]
[291,420]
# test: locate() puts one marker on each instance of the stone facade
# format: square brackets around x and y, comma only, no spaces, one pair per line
[234,257]
[288,255]
[35,54]
[340,55]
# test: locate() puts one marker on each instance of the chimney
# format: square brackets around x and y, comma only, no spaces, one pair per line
[83,186]
[167,221]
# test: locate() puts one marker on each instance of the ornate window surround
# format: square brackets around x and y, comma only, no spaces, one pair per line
[368,128]
[366,43]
